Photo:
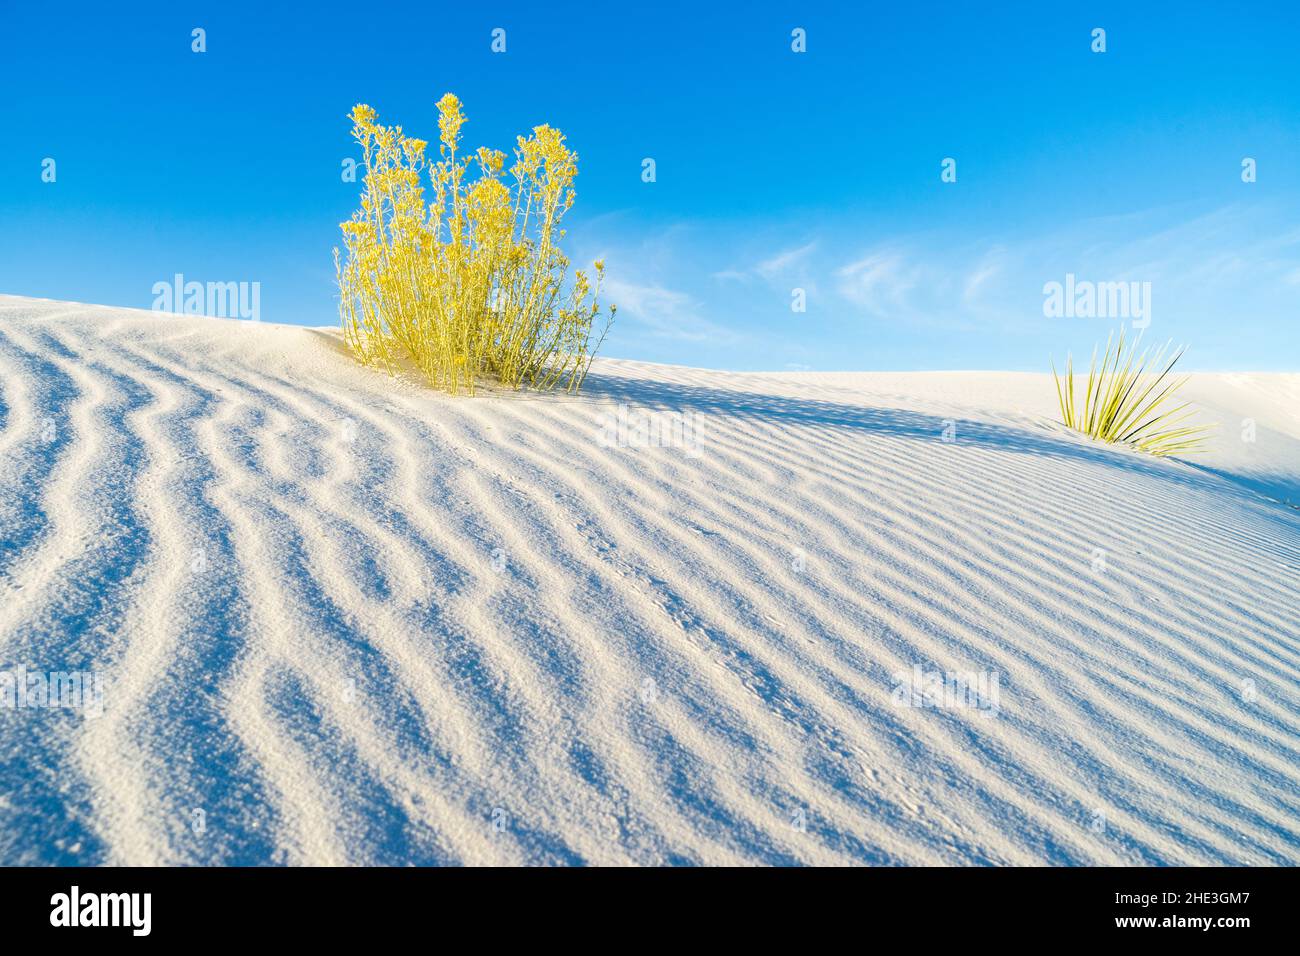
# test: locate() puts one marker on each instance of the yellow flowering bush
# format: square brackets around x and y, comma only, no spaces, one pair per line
[473,283]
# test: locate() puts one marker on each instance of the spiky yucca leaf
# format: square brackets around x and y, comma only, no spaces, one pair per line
[1125,399]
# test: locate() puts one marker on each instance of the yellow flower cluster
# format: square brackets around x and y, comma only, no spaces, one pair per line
[473,283]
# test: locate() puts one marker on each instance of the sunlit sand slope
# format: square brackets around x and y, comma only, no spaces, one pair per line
[343,619]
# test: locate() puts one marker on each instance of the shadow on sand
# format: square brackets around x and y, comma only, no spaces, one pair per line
[903,423]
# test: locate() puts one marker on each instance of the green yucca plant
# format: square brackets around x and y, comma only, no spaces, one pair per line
[1125,400]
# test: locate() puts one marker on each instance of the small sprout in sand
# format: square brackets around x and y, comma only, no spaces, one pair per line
[1124,401]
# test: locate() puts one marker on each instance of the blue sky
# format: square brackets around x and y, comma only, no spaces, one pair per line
[775,170]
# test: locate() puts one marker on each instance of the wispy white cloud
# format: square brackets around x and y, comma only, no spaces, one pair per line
[979,276]
[880,281]
[708,290]
[778,265]
[1218,261]
[666,313]
[781,263]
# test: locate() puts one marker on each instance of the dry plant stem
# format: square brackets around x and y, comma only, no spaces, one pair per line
[470,284]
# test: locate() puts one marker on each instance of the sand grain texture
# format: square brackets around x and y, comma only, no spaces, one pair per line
[351,620]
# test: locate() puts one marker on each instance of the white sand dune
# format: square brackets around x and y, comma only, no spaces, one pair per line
[345,619]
